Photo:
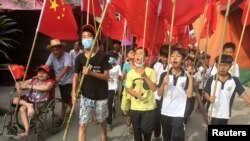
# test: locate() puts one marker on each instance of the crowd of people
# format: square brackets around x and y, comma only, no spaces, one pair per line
[157,99]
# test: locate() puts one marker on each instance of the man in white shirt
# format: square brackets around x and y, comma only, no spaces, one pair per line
[75,51]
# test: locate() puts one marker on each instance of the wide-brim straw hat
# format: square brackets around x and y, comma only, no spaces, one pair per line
[54,43]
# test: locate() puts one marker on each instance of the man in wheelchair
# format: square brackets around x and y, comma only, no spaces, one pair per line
[41,88]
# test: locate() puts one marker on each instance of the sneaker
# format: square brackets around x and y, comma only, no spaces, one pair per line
[109,127]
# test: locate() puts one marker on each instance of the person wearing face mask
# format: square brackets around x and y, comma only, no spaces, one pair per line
[94,90]
[141,84]
[113,81]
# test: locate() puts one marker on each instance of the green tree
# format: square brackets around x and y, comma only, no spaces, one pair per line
[6,31]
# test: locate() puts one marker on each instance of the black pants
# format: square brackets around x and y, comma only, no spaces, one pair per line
[172,128]
[219,121]
[143,123]
[65,91]
[189,108]
[157,131]
[204,101]
[111,94]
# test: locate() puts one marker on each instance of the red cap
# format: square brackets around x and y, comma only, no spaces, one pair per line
[44,67]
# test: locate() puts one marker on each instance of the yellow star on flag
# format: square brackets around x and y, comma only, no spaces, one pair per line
[54,5]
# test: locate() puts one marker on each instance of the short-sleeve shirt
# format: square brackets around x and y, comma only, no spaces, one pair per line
[225,93]
[94,88]
[59,64]
[137,83]
[175,98]
[73,55]
[114,73]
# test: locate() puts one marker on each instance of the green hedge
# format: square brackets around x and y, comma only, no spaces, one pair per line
[244,76]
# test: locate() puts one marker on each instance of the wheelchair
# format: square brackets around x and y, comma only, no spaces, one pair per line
[44,119]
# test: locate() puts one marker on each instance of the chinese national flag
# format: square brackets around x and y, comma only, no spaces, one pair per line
[17,71]
[94,7]
[57,20]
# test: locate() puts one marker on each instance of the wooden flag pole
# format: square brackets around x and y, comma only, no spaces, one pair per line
[144,40]
[156,28]
[88,7]
[87,63]
[93,10]
[124,39]
[221,48]
[171,34]
[241,38]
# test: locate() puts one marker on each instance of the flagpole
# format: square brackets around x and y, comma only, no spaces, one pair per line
[241,37]
[28,63]
[87,63]
[123,38]
[88,7]
[93,10]
[221,48]
[144,39]
[156,28]
[81,14]
[171,34]
[145,24]
[12,73]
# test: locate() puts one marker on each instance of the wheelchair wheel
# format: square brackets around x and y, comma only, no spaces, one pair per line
[54,121]
[11,129]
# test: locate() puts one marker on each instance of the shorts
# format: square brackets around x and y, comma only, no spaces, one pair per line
[65,91]
[90,107]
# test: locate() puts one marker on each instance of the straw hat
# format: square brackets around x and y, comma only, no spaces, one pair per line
[54,43]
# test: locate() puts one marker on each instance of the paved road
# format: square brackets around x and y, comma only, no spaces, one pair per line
[195,129]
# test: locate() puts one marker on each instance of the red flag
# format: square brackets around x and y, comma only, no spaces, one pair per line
[245,12]
[186,12]
[94,7]
[113,24]
[134,11]
[57,20]
[211,17]
[17,71]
